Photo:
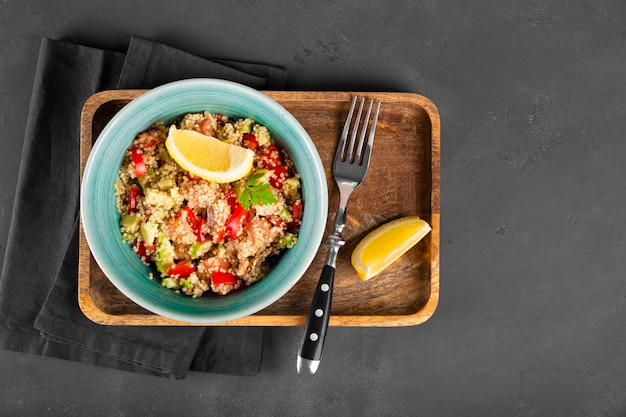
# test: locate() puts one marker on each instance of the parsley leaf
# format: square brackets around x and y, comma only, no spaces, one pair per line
[255,192]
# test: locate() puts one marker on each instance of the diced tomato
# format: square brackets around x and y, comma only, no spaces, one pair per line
[219,236]
[236,221]
[206,128]
[195,222]
[191,216]
[147,139]
[192,177]
[141,249]
[271,157]
[133,194]
[231,198]
[137,157]
[221,277]
[279,176]
[296,216]
[296,210]
[181,270]
[250,142]
[148,144]
[198,229]
[276,221]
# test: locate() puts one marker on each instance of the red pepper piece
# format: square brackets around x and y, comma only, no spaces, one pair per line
[147,139]
[296,215]
[196,223]
[271,157]
[140,165]
[142,250]
[276,221]
[181,270]
[231,198]
[221,277]
[198,229]
[236,221]
[250,142]
[133,195]
[219,237]
[279,176]
[296,210]
[191,216]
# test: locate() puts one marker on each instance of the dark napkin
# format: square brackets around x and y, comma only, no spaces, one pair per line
[149,64]
[39,311]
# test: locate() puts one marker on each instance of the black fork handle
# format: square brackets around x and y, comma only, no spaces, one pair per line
[312,343]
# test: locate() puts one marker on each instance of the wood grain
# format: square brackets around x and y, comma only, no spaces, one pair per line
[403,179]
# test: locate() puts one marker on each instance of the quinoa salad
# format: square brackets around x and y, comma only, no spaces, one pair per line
[201,237]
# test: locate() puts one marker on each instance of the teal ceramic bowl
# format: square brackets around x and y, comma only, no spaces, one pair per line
[101,220]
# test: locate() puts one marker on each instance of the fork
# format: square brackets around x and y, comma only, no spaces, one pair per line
[349,168]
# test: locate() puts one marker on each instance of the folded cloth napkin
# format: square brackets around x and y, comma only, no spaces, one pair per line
[39,312]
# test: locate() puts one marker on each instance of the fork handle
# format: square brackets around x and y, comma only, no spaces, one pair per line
[310,352]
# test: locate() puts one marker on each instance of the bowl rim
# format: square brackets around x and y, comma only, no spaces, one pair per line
[314,217]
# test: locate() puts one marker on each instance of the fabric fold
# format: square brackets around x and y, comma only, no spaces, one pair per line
[39,312]
[166,351]
[149,64]
[46,198]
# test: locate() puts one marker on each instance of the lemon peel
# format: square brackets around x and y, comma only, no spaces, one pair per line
[208,157]
[385,244]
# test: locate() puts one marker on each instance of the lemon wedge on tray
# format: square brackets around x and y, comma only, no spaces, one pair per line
[207,157]
[385,244]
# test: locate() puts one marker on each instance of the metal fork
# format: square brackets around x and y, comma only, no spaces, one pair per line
[349,168]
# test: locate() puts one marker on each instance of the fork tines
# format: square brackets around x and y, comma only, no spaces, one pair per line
[352,150]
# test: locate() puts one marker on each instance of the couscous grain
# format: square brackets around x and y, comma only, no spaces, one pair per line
[203,237]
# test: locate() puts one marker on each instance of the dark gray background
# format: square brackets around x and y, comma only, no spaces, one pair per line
[532,98]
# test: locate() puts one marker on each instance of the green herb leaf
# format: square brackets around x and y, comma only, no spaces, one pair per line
[256,192]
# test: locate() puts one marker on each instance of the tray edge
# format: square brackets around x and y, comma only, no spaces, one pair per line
[93,313]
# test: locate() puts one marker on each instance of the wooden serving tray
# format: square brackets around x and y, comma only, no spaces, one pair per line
[403,179]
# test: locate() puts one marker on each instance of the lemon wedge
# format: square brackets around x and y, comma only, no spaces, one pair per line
[207,157]
[385,244]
